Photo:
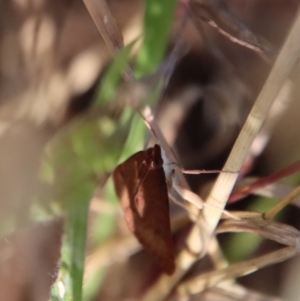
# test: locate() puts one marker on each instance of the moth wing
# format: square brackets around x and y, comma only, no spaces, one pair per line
[144,198]
[152,225]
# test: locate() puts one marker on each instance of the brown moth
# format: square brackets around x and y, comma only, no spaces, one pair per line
[141,186]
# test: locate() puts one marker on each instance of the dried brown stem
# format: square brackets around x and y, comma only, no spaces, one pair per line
[211,279]
[216,15]
[107,26]
[220,192]
[199,238]
[280,205]
[202,232]
[281,233]
[231,291]
[240,193]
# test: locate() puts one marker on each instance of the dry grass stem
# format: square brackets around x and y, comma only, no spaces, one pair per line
[265,182]
[228,291]
[225,181]
[281,233]
[107,26]
[242,214]
[216,15]
[275,190]
[211,279]
[202,232]
[279,107]
[108,29]
[198,239]
[284,202]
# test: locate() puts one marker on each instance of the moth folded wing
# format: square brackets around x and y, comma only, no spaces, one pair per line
[152,222]
[144,198]
[126,178]
[161,250]
[122,178]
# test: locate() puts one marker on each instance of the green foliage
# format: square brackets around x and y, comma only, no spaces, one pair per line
[109,84]
[86,149]
[157,23]
[90,147]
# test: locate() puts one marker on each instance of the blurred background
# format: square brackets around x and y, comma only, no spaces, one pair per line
[54,71]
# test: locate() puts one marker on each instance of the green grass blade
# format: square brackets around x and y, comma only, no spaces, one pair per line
[157,25]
